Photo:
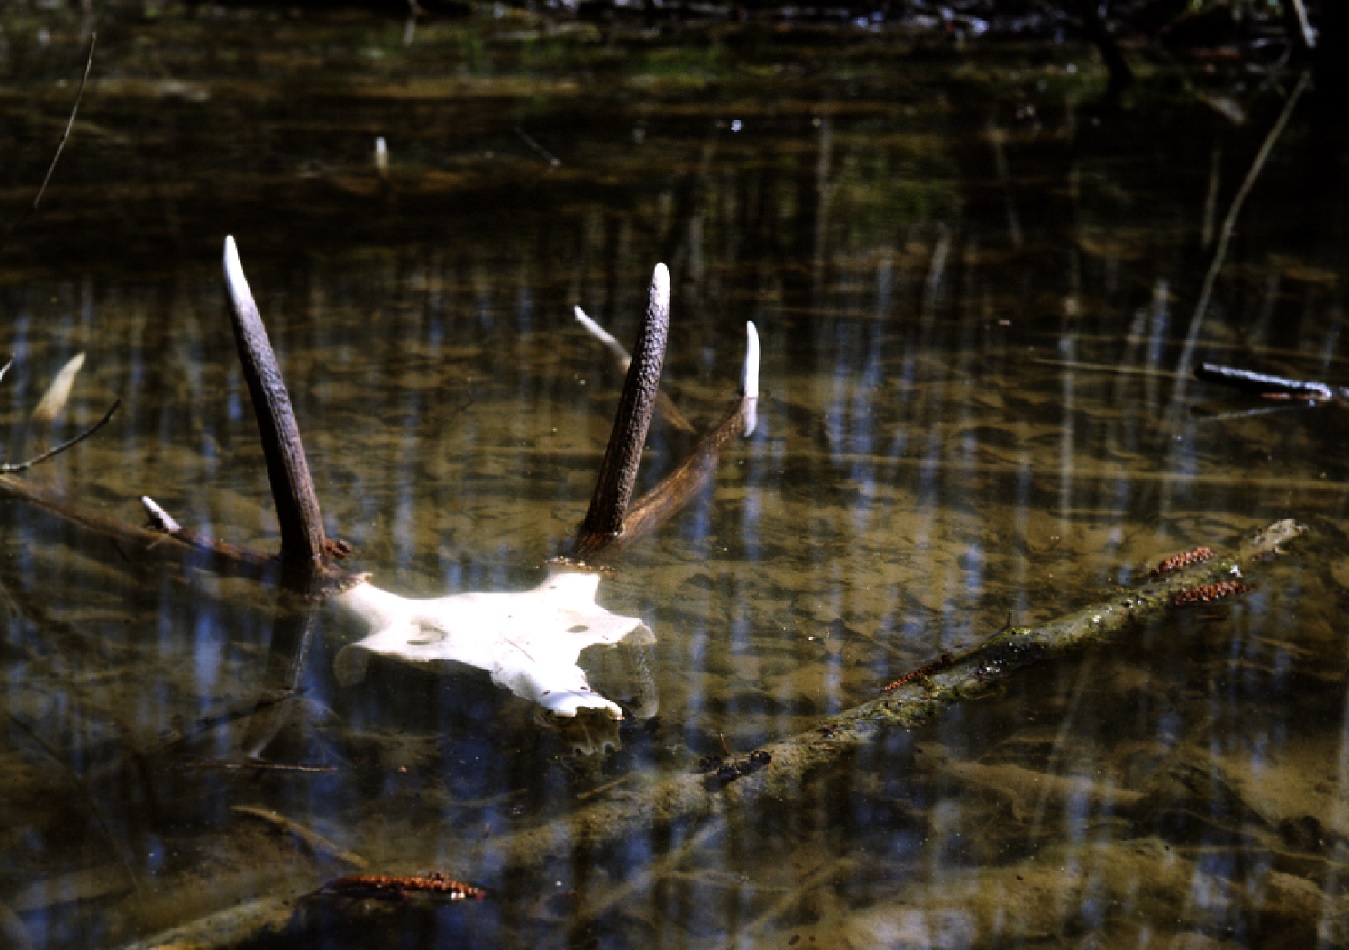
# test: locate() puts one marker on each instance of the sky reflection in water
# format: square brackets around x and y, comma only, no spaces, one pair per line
[971,417]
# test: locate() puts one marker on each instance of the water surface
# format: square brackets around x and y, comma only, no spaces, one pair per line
[974,290]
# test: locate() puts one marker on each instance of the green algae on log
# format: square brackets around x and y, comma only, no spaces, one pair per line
[971,673]
[690,797]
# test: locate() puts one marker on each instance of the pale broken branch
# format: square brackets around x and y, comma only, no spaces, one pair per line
[1268,386]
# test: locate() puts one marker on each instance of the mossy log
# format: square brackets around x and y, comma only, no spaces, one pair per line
[691,797]
[952,679]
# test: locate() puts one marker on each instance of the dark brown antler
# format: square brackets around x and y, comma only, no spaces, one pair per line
[618,471]
[297,505]
[614,521]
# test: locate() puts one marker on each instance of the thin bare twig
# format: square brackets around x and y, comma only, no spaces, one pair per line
[9,468]
[83,787]
[1267,386]
[1230,222]
[536,148]
[70,123]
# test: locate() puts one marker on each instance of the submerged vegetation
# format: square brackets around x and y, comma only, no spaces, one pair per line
[984,272]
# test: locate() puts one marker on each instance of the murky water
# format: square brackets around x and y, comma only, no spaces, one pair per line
[974,294]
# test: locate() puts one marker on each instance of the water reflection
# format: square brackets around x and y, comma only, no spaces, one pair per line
[971,417]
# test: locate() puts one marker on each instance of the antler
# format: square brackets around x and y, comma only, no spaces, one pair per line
[612,522]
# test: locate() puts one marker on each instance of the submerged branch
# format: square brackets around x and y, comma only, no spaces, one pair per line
[1267,386]
[685,797]
[15,467]
[787,764]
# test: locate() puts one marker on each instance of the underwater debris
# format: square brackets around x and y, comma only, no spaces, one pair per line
[937,665]
[1176,561]
[1207,593]
[393,887]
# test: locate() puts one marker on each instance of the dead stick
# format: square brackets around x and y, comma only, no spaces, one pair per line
[11,468]
[1263,384]
[618,471]
[60,146]
[297,505]
[1230,222]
